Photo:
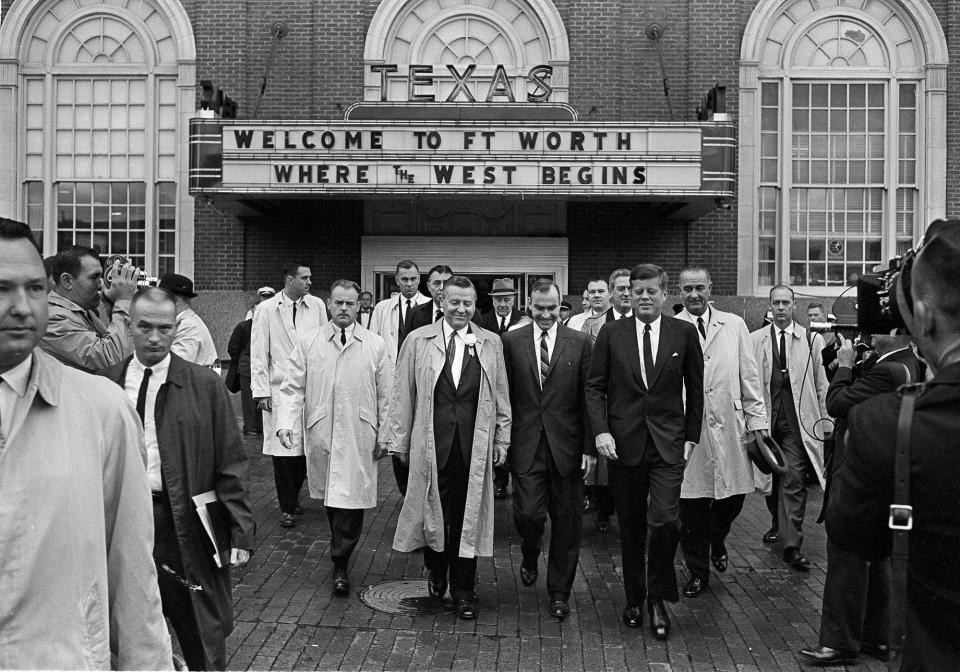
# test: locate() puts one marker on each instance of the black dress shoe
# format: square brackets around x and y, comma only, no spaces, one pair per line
[794,558]
[659,619]
[341,584]
[603,522]
[825,656]
[694,587]
[559,609]
[499,492]
[633,617]
[286,520]
[771,536]
[720,562]
[528,576]
[879,651]
[437,585]
[467,609]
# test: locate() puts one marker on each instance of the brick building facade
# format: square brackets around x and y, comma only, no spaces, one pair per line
[847,117]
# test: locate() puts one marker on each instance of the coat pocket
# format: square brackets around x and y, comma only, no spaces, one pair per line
[95,630]
[315,416]
[368,416]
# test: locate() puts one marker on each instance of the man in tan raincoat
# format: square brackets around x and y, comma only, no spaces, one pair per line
[450,420]
[339,378]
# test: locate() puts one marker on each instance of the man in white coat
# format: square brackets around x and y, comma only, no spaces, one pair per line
[719,473]
[391,317]
[341,376]
[794,392]
[278,324]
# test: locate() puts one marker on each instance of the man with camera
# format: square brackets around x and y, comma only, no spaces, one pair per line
[859,514]
[856,593]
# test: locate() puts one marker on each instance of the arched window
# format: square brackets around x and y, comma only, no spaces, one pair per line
[518,34]
[841,127]
[104,93]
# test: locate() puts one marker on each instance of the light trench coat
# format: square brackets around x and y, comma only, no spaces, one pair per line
[808,382]
[272,339]
[411,433]
[385,320]
[732,406]
[343,392]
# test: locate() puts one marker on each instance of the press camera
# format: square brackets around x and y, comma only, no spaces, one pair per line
[143,280]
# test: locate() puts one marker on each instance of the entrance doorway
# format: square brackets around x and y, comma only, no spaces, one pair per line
[387,287]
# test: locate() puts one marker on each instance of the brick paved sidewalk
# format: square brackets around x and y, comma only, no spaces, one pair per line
[754,617]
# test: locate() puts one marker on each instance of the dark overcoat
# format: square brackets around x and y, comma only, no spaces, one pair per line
[201,450]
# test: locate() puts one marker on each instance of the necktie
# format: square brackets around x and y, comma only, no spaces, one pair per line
[783,353]
[451,355]
[142,393]
[294,314]
[544,357]
[647,355]
[343,337]
[703,330]
[438,316]
[503,324]
[407,317]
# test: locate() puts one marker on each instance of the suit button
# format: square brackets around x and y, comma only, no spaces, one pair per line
[706,357]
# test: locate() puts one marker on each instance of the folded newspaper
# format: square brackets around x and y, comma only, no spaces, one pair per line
[200,501]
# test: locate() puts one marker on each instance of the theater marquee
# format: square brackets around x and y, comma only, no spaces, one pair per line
[559,159]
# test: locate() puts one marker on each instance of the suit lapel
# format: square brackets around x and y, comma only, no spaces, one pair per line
[532,355]
[713,329]
[664,347]
[557,351]
[629,334]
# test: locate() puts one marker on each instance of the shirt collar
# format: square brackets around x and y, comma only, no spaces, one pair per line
[551,332]
[19,376]
[348,330]
[448,331]
[654,326]
[788,330]
[159,369]
[286,300]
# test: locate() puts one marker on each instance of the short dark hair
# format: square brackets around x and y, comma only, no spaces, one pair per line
[544,285]
[405,264]
[648,271]
[597,279]
[937,268]
[11,229]
[290,270]
[696,268]
[442,269]
[154,294]
[782,286]
[816,304]
[461,281]
[366,293]
[346,284]
[70,261]
[619,273]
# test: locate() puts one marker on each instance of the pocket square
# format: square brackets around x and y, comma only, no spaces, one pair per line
[675,355]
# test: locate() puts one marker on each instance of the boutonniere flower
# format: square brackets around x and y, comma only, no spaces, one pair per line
[470,340]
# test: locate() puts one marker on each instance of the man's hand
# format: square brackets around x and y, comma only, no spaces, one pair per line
[760,435]
[846,355]
[286,438]
[239,557]
[606,446]
[688,447]
[587,464]
[379,451]
[500,455]
[264,403]
[123,282]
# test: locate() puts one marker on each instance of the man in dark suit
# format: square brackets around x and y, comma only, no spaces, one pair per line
[195,461]
[856,593]
[432,311]
[547,366]
[639,372]
[500,320]
[863,489]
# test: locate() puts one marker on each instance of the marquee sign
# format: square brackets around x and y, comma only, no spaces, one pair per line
[413,158]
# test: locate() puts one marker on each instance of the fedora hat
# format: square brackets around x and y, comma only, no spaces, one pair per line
[177,284]
[767,456]
[503,287]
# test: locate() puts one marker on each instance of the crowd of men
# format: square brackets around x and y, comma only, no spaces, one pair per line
[623,409]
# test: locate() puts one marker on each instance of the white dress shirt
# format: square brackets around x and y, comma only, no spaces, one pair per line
[459,345]
[132,386]
[654,344]
[786,341]
[621,316]
[346,330]
[551,342]
[12,391]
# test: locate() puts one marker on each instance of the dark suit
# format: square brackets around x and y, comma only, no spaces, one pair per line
[491,321]
[862,491]
[856,592]
[549,436]
[649,427]
[239,349]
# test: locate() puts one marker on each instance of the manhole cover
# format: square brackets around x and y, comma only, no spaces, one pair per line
[410,598]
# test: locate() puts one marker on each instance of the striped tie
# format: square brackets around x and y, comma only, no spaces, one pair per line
[544,357]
